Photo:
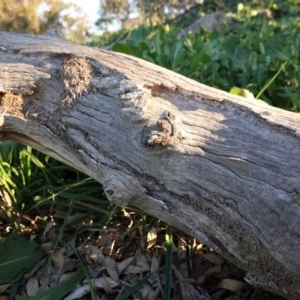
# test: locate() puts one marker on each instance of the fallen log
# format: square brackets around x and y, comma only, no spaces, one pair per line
[219,167]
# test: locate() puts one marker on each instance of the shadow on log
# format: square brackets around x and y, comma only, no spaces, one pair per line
[219,167]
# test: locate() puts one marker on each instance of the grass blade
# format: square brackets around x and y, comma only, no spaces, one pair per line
[92,288]
[271,80]
[169,261]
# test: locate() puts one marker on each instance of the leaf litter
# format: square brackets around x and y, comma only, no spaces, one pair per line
[128,258]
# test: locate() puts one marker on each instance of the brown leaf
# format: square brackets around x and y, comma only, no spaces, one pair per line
[147,291]
[107,287]
[214,258]
[225,272]
[232,285]
[151,238]
[186,280]
[62,263]
[210,272]
[4,287]
[154,263]
[81,291]
[133,270]
[64,277]
[123,264]
[58,260]
[111,268]
[142,261]
[46,247]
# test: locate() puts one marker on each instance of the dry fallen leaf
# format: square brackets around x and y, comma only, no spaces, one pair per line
[106,286]
[151,238]
[64,277]
[84,290]
[32,287]
[232,285]
[62,263]
[47,247]
[132,270]
[3,287]
[154,263]
[210,272]
[123,264]
[111,268]
[214,258]
[142,261]
[147,291]
[57,260]
[186,280]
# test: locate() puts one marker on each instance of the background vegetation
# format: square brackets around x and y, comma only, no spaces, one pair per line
[36,16]
[61,219]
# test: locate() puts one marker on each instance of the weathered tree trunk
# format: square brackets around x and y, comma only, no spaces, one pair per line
[222,168]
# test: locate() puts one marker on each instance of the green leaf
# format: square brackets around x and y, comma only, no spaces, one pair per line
[17,256]
[60,291]
[144,47]
[200,57]
[214,68]
[260,73]
[138,35]
[242,92]
[122,48]
[253,60]
[177,55]
[235,91]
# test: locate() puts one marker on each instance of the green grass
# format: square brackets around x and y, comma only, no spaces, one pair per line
[33,183]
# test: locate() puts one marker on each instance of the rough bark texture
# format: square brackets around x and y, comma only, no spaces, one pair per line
[222,168]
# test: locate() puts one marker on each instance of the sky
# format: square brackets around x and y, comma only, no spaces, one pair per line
[91,8]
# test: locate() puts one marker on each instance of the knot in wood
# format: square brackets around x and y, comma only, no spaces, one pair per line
[166,131]
[122,189]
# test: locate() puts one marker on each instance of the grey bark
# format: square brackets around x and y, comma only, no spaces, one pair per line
[222,168]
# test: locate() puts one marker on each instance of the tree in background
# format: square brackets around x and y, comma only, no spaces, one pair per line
[36,16]
[127,12]
[182,13]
